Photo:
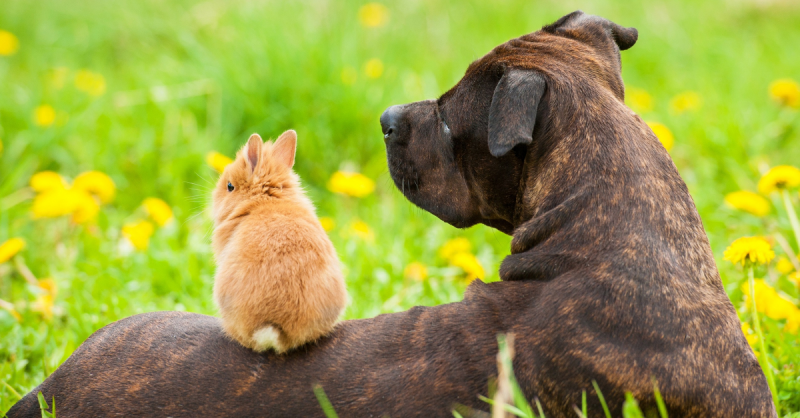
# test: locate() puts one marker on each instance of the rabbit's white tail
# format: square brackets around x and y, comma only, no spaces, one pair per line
[267,338]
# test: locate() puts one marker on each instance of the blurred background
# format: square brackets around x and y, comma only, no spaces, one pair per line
[116,116]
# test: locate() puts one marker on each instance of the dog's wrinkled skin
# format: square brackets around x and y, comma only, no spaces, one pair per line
[611,277]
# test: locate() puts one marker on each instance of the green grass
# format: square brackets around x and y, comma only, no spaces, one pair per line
[269,66]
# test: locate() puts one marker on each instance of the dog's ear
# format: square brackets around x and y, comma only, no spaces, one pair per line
[512,114]
[622,36]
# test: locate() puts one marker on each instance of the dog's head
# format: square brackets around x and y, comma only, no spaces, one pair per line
[461,157]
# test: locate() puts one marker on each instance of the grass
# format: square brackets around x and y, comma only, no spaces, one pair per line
[184,78]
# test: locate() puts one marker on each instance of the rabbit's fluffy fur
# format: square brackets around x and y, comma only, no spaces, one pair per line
[278,283]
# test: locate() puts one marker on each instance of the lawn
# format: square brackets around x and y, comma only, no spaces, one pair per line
[142,91]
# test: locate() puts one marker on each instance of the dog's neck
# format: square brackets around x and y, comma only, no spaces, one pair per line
[604,195]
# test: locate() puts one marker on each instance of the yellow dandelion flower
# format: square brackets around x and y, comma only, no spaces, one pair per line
[749,249]
[56,202]
[765,294]
[795,277]
[158,210]
[793,323]
[8,306]
[784,265]
[639,99]
[374,68]
[327,223]
[351,184]
[362,230]
[44,115]
[749,202]
[415,271]
[470,264]
[751,336]
[57,77]
[373,15]
[10,248]
[349,76]
[49,286]
[91,83]
[686,101]
[96,183]
[786,92]
[86,207]
[45,181]
[779,177]
[663,134]
[217,161]
[9,44]
[44,305]
[780,308]
[138,234]
[454,246]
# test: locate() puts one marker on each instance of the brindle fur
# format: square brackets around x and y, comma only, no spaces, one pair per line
[611,277]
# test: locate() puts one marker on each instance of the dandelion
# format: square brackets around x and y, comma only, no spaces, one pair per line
[158,210]
[44,115]
[454,246]
[415,271]
[374,68]
[749,202]
[749,251]
[686,101]
[373,15]
[55,203]
[46,300]
[470,264]
[9,307]
[96,183]
[217,161]
[779,177]
[663,134]
[640,100]
[349,76]
[362,230]
[327,223]
[90,82]
[351,184]
[784,265]
[786,92]
[752,250]
[45,181]
[9,44]
[138,234]
[10,248]
[793,323]
[86,208]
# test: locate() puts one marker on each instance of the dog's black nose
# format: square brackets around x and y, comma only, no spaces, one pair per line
[389,120]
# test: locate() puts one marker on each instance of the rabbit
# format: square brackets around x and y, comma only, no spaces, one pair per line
[278,283]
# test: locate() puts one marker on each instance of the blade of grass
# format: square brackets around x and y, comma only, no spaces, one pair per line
[662,407]
[324,402]
[14,392]
[602,399]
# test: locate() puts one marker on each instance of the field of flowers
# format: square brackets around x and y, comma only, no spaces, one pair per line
[115,118]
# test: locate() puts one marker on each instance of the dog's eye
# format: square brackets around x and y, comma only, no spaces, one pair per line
[230,187]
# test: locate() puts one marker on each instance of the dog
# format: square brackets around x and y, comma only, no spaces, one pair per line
[610,278]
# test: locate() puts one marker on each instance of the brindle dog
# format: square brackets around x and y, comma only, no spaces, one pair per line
[610,279]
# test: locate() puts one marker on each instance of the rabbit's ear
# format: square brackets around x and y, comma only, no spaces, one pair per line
[253,151]
[285,147]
